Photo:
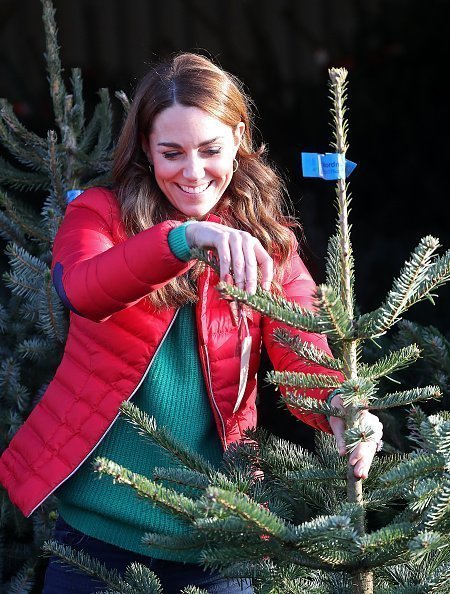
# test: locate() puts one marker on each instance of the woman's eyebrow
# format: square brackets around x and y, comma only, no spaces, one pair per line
[176,145]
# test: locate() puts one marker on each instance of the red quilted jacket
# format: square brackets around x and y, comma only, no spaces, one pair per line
[115,332]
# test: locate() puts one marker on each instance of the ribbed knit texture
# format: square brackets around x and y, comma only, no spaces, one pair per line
[178,242]
[174,393]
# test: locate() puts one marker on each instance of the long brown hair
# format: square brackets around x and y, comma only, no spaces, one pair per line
[255,198]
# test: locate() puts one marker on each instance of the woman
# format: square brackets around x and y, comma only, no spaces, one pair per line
[147,322]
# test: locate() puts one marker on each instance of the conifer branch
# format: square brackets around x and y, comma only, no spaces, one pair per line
[357,392]
[27,273]
[77,120]
[333,316]
[57,88]
[101,149]
[333,265]
[311,405]
[11,232]
[302,380]
[182,477]
[165,498]
[21,180]
[193,590]
[403,292]
[422,494]
[124,100]
[439,506]
[253,513]
[426,543]
[321,529]
[85,563]
[436,432]
[356,435]
[306,350]
[19,140]
[35,348]
[147,427]
[174,543]
[55,170]
[274,307]
[385,537]
[439,579]
[318,474]
[22,216]
[405,397]
[438,273]
[415,467]
[52,320]
[381,499]
[90,135]
[25,578]
[393,361]
[142,580]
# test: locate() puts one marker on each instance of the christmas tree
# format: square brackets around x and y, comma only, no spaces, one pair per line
[33,321]
[299,521]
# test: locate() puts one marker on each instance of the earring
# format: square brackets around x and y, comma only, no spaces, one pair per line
[235,165]
[150,168]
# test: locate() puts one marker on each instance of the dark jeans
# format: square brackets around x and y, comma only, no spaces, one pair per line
[63,579]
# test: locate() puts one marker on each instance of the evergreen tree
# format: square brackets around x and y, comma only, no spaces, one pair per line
[33,321]
[298,521]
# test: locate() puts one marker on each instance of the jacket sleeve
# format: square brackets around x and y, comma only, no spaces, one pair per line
[299,286]
[96,275]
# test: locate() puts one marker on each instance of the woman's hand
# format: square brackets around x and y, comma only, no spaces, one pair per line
[362,456]
[239,253]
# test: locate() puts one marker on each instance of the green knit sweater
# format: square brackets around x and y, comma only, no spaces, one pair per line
[174,393]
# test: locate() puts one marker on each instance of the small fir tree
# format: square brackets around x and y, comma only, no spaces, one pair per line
[298,521]
[33,321]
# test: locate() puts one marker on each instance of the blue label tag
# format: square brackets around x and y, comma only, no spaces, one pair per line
[72,194]
[326,166]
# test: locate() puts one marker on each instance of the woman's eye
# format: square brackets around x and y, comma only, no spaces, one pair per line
[171,155]
[212,151]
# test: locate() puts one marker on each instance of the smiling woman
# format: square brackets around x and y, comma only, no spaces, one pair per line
[147,323]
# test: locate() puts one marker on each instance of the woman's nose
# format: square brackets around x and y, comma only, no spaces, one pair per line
[194,169]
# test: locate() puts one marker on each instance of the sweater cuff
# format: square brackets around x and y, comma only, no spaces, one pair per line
[332,395]
[178,243]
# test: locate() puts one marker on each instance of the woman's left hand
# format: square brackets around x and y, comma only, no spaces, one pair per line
[362,456]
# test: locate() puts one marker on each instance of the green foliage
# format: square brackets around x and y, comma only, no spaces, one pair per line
[317,542]
[33,321]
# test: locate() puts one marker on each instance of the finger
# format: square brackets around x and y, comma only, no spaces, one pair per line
[223,252]
[361,459]
[338,427]
[251,267]
[365,449]
[361,469]
[237,259]
[265,263]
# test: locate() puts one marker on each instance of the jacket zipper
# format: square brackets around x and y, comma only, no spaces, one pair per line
[205,358]
[116,417]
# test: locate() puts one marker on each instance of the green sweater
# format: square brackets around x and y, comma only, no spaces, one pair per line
[174,393]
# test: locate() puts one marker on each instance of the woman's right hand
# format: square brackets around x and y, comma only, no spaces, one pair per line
[239,253]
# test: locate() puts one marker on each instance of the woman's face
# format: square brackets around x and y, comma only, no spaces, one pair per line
[192,157]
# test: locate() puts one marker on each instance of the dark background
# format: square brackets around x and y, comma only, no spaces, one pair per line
[397,53]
